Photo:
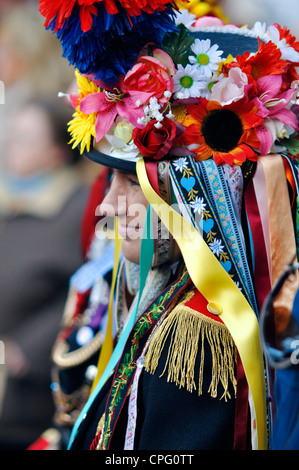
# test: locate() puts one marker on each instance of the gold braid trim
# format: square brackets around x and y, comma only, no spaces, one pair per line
[65,359]
[189,330]
[100,428]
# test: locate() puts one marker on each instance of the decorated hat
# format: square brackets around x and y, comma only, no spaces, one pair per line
[156,82]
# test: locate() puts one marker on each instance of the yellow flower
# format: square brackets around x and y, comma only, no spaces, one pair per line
[222,65]
[180,113]
[82,126]
[201,8]
[86,86]
[82,129]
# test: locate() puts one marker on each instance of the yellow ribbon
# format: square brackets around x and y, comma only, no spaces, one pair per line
[107,346]
[211,279]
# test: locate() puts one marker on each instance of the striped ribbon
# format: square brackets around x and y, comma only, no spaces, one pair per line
[211,279]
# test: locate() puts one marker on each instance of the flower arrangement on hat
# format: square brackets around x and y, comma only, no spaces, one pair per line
[104,37]
[189,98]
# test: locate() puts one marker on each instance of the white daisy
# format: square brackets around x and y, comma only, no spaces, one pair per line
[180,164]
[206,56]
[198,205]
[287,51]
[185,18]
[216,246]
[189,81]
[259,28]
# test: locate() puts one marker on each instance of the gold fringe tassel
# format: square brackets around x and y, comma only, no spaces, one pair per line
[190,329]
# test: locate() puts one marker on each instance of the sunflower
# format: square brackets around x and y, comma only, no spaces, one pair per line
[226,133]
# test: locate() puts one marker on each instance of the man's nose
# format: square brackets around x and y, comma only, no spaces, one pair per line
[114,203]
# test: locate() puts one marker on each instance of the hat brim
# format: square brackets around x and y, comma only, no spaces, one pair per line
[230,40]
[111,162]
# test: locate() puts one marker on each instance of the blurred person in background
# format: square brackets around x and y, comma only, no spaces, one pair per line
[9,4]
[42,199]
[29,58]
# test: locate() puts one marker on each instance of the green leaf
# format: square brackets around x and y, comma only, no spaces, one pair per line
[177,45]
[291,144]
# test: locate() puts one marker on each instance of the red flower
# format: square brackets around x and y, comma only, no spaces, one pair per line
[266,61]
[284,33]
[153,142]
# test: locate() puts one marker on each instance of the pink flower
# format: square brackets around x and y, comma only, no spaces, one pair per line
[109,104]
[205,21]
[231,88]
[272,104]
[208,21]
[150,77]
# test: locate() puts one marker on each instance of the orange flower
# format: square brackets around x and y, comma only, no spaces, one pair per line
[226,133]
[266,61]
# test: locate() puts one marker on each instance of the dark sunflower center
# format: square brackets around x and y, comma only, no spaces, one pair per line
[222,130]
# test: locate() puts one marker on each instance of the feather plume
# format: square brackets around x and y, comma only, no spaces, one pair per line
[112,46]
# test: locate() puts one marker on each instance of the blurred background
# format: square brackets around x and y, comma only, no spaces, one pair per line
[44,187]
[241,12]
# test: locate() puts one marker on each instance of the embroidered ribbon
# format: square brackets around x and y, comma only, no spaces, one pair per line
[132,406]
[203,217]
[215,183]
[132,409]
[126,368]
[234,180]
[216,285]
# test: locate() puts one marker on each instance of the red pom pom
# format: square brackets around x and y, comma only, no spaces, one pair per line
[60,10]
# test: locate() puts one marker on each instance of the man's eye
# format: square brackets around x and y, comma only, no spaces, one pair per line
[110,176]
[134,182]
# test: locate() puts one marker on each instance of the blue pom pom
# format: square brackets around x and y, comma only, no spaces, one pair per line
[113,44]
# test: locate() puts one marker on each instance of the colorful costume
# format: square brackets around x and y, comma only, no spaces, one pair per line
[200,114]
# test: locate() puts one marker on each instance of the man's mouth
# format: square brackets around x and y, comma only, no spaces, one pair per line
[129,231]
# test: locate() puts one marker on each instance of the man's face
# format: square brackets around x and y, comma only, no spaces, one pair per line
[126,200]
